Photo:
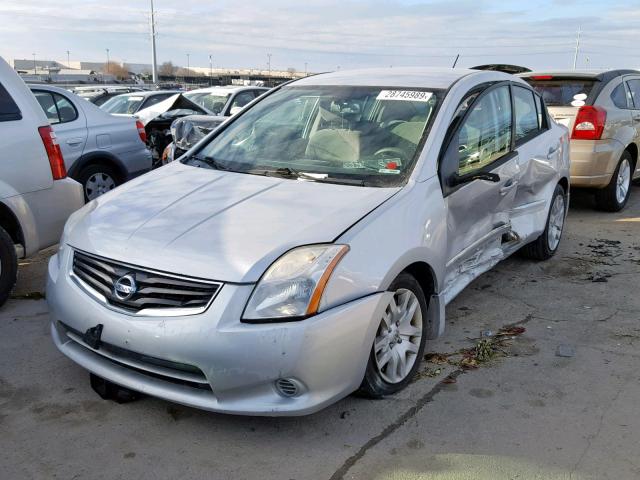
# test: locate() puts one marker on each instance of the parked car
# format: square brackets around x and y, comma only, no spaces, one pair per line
[308,247]
[101,151]
[132,103]
[602,111]
[36,197]
[158,118]
[99,95]
[187,131]
[225,101]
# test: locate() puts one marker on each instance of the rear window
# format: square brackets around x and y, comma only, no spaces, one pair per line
[8,109]
[561,92]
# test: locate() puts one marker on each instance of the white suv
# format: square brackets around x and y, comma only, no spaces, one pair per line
[36,197]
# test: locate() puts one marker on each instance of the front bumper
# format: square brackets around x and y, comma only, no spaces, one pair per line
[232,366]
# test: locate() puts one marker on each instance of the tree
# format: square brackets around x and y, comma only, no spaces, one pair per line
[167,69]
[115,69]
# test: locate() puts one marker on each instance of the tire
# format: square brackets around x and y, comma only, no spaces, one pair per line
[97,179]
[8,266]
[380,381]
[614,196]
[546,245]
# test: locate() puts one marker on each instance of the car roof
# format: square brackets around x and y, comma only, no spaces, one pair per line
[417,77]
[599,75]
[226,89]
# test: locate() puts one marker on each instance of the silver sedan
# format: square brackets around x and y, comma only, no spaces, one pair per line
[307,248]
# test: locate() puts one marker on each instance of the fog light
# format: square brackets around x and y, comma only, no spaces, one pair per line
[288,387]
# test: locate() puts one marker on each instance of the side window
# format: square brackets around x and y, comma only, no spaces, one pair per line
[45,99]
[242,99]
[66,111]
[526,114]
[634,86]
[152,100]
[485,135]
[9,111]
[619,96]
[542,112]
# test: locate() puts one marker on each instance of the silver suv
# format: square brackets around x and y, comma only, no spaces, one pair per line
[36,197]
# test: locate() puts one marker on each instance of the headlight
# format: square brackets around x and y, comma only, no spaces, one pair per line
[292,286]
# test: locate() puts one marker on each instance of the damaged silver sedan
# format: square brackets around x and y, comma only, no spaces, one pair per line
[306,249]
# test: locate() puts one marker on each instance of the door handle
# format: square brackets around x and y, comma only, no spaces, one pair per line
[508,186]
[74,141]
[552,151]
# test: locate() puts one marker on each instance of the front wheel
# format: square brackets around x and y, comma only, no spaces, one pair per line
[399,342]
[614,196]
[546,245]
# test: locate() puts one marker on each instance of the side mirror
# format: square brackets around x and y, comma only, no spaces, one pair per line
[235,110]
[456,180]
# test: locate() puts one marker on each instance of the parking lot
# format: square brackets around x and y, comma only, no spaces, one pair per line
[560,402]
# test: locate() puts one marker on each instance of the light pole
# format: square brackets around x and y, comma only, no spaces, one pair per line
[35,65]
[305,69]
[210,69]
[154,62]
[68,61]
[188,67]
[107,50]
[269,65]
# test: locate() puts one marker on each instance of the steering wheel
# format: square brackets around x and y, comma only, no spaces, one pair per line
[392,152]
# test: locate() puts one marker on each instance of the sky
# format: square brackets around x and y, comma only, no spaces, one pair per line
[327,34]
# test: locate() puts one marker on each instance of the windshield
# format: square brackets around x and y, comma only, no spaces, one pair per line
[214,102]
[123,104]
[561,92]
[364,135]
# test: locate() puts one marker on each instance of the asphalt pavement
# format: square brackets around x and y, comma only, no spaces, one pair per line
[536,377]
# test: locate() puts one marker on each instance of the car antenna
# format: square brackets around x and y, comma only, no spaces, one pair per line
[455,61]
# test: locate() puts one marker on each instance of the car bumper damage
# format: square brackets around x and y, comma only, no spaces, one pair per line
[213,361]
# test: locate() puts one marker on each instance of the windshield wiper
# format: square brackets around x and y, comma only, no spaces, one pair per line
[210,161]
[287,172]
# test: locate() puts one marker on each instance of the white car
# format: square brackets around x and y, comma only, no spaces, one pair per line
[225,101]
[307,247]
[36,197]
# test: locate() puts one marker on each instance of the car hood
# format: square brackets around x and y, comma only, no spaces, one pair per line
[216,225]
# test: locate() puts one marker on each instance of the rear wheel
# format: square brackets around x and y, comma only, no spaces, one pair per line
[614,196]
[546,245]
[399,342]
[8,265]
[97,179]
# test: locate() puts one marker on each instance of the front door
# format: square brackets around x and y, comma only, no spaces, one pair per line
[480,175]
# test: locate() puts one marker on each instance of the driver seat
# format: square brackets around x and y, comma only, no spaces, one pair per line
[334,145]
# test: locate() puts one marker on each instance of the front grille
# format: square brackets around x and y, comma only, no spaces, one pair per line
[149,292]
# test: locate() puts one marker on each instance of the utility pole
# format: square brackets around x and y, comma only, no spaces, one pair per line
[68,61]
[154,63]
[188,68]
[575,56]
[305,69]
[107,59]
[35,65]
[269,65]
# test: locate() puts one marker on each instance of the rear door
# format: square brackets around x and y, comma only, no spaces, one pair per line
[633,88]
[68,122]
[539,151]
[479,174]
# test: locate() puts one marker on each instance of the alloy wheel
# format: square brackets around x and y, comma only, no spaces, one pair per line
[556,222]
[623,182]
[398,337]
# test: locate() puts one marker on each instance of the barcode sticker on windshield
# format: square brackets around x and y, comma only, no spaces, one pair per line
[406,95]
